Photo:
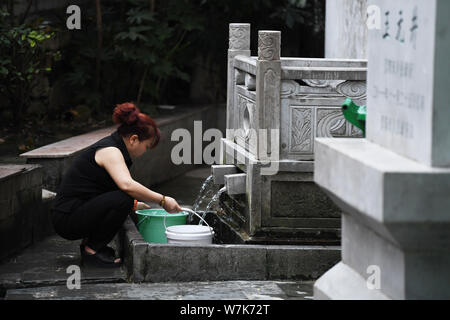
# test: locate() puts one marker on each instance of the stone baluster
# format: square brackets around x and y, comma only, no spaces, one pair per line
[268,103]
[239,45]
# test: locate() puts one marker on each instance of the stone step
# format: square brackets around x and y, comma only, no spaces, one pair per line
[222,290]
[24,208]
[55,158]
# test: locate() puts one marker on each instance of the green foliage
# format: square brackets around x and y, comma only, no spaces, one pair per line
[153,40]
[294,12]
[148,45]
[23,59]
[141,50]
[149,50]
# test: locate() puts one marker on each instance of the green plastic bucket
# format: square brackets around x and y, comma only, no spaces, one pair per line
[151,223]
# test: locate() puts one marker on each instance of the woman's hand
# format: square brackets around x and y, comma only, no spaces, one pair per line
[142,205]
[171,205]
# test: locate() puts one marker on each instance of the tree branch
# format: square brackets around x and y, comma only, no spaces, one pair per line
[30,2]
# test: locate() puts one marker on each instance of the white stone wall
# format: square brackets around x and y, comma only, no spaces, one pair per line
[346,31]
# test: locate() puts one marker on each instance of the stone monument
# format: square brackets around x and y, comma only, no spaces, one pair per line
[346,32]
[394,186]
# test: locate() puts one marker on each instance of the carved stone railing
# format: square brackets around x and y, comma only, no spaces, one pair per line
[276,107]
[301,98]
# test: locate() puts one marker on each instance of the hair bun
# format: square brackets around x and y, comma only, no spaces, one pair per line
[126,113]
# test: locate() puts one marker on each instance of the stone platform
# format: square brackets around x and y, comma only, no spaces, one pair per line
[154,262]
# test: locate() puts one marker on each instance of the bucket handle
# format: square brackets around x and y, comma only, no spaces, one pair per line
[142,220]
[192,211]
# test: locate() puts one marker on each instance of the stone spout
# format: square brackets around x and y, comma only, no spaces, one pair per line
[219,171]
[235,183]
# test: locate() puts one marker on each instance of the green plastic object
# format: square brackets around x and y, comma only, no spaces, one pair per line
[151,223]
[355,114]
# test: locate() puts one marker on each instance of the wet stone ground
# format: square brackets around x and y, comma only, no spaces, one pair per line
[46,264]
[40,271]
[225,290]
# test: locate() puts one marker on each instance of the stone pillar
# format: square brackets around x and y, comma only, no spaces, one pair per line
[268,103]
[239,44]
[393,187]
[345,29]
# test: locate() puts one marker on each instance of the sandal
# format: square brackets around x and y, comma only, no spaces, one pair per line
[110,251]
[102,258]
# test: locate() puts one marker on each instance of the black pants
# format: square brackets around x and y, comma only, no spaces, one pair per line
[98,219]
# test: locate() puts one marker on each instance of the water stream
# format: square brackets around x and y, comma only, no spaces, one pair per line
[213,202]
[205,190]
[208,191]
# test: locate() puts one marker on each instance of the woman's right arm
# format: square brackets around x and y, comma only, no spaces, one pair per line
[112,160]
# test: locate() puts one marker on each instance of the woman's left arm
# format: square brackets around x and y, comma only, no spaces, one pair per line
[112,160]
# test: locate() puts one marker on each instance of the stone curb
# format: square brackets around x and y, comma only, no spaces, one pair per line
[152,262]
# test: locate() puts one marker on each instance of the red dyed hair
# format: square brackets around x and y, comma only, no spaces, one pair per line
[133,121]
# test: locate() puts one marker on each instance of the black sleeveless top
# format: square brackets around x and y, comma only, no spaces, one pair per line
[85,179]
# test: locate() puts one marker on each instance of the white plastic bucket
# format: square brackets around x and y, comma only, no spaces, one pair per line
[189,234]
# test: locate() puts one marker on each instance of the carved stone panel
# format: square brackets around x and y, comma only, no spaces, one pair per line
[239,44]
[308,201]
[308,89]
[268,108]
[241,106]
[327,88]
[271,94]
[301,130]
[245,122]
[239,36]
[269,45]
[357,90]
[289,88]
[314,83]
[332,124]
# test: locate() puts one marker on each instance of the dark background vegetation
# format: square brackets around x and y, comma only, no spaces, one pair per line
[56,82]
